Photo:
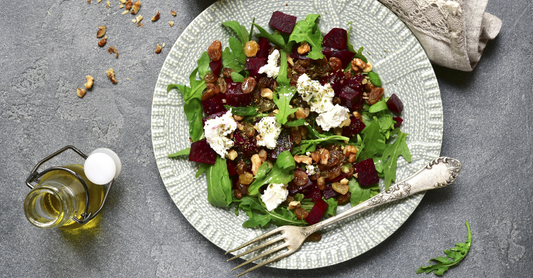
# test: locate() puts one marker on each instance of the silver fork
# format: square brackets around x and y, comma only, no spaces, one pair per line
[438,173]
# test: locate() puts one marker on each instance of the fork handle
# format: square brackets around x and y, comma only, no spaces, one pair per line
[439,173]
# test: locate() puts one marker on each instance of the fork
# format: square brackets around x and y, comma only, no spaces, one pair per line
[439,173]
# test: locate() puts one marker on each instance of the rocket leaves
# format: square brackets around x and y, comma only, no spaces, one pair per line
[307,31]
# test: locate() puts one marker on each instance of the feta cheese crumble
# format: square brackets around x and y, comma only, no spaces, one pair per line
[217,129]
[271,68]
[333,118]
[310,170]
[319,97]
[274,195]
[269,131]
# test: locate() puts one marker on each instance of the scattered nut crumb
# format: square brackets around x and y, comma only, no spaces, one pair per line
[128,4]
[120,6]
[89,1]
[111,75]
[102,42]
[125,12]
[80,92]
[101,31]
[89,83]
[171,23]
[156,16]
[173,13]
[108,5]
[112,50]
[135,8]
[134,20]
[139,19]
[123,1]
[99,1]
[163,45]
[158,49]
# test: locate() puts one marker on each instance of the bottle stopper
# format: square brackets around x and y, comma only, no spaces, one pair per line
[102,166]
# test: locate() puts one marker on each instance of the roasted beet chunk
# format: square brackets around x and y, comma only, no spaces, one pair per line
[394,104]
[216,66]
[202,152]
[284,143]
[336,38]
[314,194]
[264,47]
[247,145]
[282,22]
[214,104]
[355,127]
[253,65]
[235,97]
[212,116]
[398,121]
[316,212]
[350,98]
[366,172]
[343,54]
[329,192]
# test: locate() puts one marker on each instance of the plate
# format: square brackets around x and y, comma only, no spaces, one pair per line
[396,56]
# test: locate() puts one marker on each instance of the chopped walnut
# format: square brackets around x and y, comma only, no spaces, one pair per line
[135,8]
[171,23]
[112,50]
[294,205]
[111,75]
[102,42]
[303,159]
[89,83]
[101,31]
[232,154]
[256,163]
[173,13]
[128,4]
[304,48]
[158,49]
[358,65]
[139,18]
[156,16]
[80,92]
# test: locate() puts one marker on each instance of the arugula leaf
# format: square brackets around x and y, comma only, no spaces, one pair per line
[251,30]
[299,122]
[219,184]
[282,172]
[194,113]
[203,65]
[360,55]
[242,111]
[307,30]
[282,79]
[195,90]
[349,44]
[286,161]
[236,77]
[390,157]
[360,194]
[374,78]
[310,145]
[186,151]
[378,107]
[373,141]
[332,207]
[240,30]
[229,61]
[275,38]
[282,98]
[280,216]
[238,50]
[203,167]
[453,257]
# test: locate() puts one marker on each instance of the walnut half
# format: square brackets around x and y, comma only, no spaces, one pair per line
[111,75]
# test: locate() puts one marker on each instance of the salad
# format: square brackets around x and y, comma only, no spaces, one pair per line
[291,125]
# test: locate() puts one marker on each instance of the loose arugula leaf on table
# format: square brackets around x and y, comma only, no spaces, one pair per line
[275,38]
[453,257]
[242,111]
[203,65]
[390,157]
[360,194]
[282,172]
[240,30]
[194,113]
[307,30]
[219,184]
[282,97]
[186,151]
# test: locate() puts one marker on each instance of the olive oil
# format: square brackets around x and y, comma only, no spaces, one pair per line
[59,196]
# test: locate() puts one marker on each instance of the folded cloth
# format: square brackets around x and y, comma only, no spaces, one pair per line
[454,33]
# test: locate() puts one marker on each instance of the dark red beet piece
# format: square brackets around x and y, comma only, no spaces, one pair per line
[253,65]
[231,168]
[284,143]
[336,38]
[355,127]
[216,66]
[264,47]
[295,189]
[282,22]
[398,121]
[313,194]
[350,98]
[212,116]
[338,178]
[366,172]
[329,192]
[345,55]
[235,97]
[214,105]
[202,152]
[247,145]
[394,104]
[316,212]
[336,79]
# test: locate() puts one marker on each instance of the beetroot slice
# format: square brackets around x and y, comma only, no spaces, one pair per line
[350,98]
[398,121]
[214,104]
[295,189]
[336,38]
[336,79]
[313,194]
[216,66]
[253,65]
[345,55]
[282,22]
[202,152]
[329,192]
[231,168]
[366,172]
[247,145]
[264,47]
[355,127]
[284,143]
[394,104]
[316,212]
[235,97]
[212,116]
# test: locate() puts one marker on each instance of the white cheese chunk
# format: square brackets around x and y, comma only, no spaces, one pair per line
[274,195]
[217,129]
[333,118]
[271,68]
[269,131]
[319,97]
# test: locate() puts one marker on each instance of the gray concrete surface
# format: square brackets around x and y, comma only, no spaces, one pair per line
[47,49]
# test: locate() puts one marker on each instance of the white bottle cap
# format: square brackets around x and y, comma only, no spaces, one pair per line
[102,166]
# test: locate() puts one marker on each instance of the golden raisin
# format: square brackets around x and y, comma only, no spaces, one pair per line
[301,213]
[335,63]
[251,48]
[375,95]
[314,237]
[211,91]
[210,77]
[222,85]
[248,85]
[227,72]
[246,178]
[215,51]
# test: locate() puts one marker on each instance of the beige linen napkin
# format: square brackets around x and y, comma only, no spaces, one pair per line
[454,33]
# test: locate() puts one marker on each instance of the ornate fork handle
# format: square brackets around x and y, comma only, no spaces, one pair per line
[437,174]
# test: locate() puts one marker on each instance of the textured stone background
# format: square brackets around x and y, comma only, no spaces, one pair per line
[48,47]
